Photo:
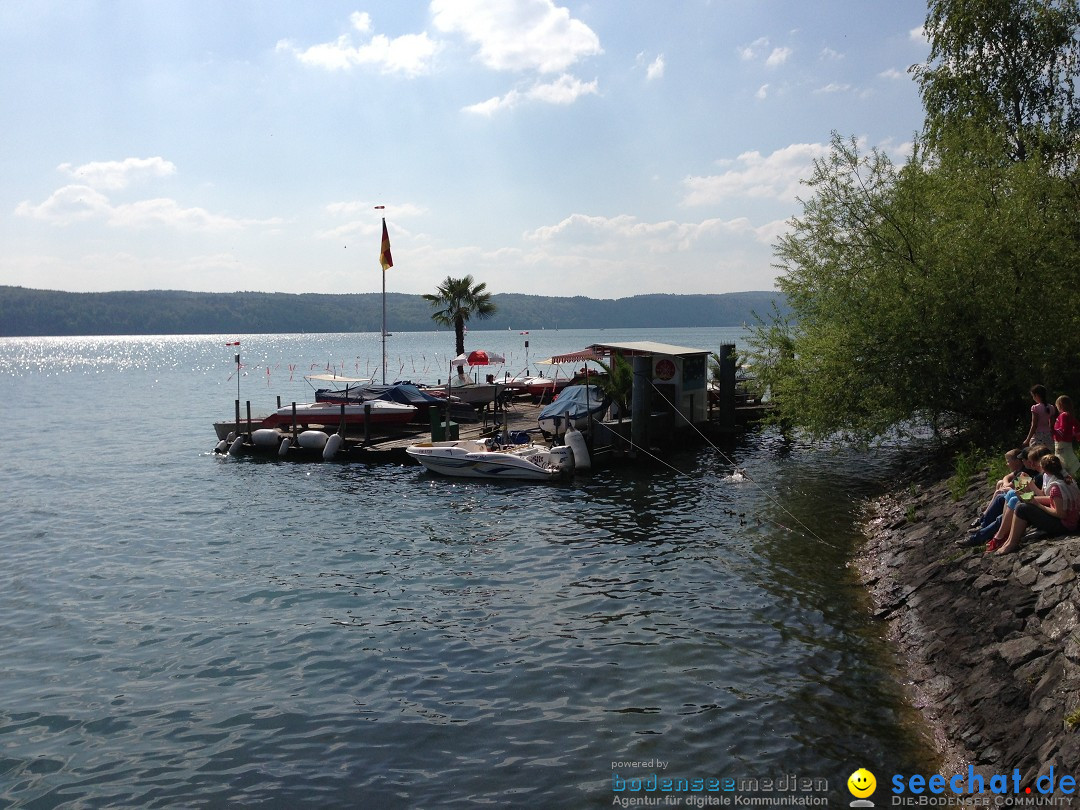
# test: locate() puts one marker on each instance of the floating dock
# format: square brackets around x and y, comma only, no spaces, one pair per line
[611,440]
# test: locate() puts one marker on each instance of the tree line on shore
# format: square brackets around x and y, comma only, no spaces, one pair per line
[29,312]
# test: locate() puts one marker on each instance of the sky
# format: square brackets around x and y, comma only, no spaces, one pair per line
[605,148]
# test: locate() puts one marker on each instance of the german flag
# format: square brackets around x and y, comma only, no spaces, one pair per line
[385,259]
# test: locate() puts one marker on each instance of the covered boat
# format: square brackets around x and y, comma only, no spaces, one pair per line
[402,392]
[485,459]
[354,414]
[574,405]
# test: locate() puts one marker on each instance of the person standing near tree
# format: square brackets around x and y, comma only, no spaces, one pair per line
[1066,431]
[1042,419]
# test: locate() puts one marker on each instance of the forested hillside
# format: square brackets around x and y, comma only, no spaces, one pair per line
[25,312]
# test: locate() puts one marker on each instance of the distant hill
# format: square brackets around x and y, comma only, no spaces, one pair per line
[26,312]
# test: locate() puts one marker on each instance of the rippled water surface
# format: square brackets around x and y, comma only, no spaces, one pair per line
[182,629]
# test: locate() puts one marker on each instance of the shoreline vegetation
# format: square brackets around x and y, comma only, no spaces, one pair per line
[989,642]
[27,312]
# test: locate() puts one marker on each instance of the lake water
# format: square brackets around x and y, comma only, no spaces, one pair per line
[184,629]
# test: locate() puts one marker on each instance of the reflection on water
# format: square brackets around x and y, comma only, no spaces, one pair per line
[184,629]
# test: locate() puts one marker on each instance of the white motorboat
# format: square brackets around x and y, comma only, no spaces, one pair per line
[468,458]
[476,394]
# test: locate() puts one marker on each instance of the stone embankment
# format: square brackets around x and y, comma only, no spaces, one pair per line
[991,642]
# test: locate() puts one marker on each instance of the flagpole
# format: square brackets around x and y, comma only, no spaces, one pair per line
[384,326]
[386,261]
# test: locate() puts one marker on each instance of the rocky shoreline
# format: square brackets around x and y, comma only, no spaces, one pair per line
[991,643]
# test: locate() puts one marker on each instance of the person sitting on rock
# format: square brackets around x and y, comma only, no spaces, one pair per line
[1021,470]
[1055,511]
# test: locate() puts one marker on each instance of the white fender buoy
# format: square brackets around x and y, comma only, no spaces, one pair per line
[231,436]
[576,442]
[265,437]
[221,447]
[312,440]
[283,448]
[333,444]
[236,446]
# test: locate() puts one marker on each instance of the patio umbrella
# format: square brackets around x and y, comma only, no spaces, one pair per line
[478,358]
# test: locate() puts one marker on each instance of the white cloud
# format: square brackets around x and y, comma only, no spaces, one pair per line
[117,174]
[830,55]
[522,36]
[616,234]
[778,57]
[361,21]
[364,220]
[656,69]
[77,203]
[171,214]
[919,35]
[833,87]
[752,51]
[761,49]
[409,54]
[494,104]
[762,92]
[776,176]
[893,73]
[565,90]
[67,205]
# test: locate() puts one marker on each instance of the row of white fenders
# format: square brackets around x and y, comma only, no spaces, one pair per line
[469,458]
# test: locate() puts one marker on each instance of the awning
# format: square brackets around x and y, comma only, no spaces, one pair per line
[573,357]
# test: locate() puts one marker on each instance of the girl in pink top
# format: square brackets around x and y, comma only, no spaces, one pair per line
[1042,419]
[1066,431]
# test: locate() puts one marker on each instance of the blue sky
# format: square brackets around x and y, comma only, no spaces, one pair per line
[606,148]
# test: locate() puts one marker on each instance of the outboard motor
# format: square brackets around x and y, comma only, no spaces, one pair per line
[562,459]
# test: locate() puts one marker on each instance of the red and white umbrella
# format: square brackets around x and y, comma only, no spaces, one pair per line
[478,358]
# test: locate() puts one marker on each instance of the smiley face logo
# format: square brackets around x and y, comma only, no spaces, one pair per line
[861,783]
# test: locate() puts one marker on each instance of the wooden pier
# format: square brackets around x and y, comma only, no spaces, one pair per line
[607,440]
[387,444]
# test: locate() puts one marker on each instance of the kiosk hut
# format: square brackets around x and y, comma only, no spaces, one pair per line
[670,389]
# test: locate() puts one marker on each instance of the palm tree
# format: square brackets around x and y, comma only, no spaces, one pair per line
[618,382]
[459,300]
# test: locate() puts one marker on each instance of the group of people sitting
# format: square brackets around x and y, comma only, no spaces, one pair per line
[1039,490]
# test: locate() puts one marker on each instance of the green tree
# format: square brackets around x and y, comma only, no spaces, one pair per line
[939,291]
[457,301]
[999,82]
[918,293]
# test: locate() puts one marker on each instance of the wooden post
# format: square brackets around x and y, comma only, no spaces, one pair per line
[294,436]
[249,419]
[727,387]
[639,403]
[238,417]
[367,423]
